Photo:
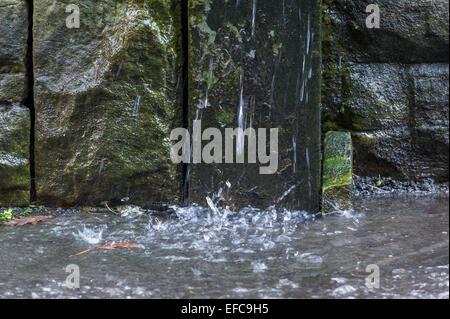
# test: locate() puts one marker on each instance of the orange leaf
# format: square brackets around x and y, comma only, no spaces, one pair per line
[111,246]
[28,220]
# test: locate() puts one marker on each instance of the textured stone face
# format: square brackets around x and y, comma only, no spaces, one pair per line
[400,130]
[410,31]
[256,64]
[14,155]
[106,99]
[12,87]
[429,115]
[389,86]
[14,116]
[337,184]
[13,39]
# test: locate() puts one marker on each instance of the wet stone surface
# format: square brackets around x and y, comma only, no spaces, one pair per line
[256,64]
[14,116]
[389,86]
[337,178]
[14,154]
[106,99]
[210,252]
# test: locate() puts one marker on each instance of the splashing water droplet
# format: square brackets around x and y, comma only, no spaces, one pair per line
[254,18]
[241,137]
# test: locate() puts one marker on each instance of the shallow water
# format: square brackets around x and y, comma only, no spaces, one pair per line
[212,253]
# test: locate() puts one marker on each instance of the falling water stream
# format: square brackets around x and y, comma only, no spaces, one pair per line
[218,253]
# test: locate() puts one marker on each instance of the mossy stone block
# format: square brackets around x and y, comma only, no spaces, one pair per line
[106,99]
[337,182]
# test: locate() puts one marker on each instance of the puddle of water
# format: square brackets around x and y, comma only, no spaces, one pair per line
[223,254]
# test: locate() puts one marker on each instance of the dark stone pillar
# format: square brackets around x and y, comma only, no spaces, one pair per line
[256,63]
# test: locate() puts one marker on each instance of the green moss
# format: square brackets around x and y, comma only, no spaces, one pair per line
[337,172]
[336,82]
[111,137]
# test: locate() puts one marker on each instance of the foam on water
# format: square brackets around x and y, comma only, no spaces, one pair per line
[91,235]
[218,252]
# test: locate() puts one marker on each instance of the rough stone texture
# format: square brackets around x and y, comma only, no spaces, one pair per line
[12,87]
[13,49]
[337,182]
[389,86]
[429,115]
[106,100]
[411,31]
[14,155]
[13,36]
[14,116]
[265,68]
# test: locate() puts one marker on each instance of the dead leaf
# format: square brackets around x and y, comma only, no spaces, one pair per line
[112,246]
[28,220]
[230,205]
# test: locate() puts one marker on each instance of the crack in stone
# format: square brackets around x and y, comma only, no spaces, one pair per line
[29,100]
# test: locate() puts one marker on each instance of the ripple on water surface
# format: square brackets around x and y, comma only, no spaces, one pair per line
[219,253]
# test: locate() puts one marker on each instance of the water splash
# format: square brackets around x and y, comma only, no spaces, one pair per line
[308,165]
[286,193]
[294,156]
[102,164]
[212,205]
[187,177]
[209,82]
[254,18]
[118,70]
[259,266]
[241,121]
[252,114]
[247,253]
[275,72]
[90,235]
[308,35]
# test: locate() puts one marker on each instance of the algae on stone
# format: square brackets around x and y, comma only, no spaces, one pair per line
[12,87]
[106,99]
[13,36]
[14,155]
[337,181]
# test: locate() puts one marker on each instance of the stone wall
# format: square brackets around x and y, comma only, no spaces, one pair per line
[14,115]
[256,64]
[106,95]
[106,99]
[389,86]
